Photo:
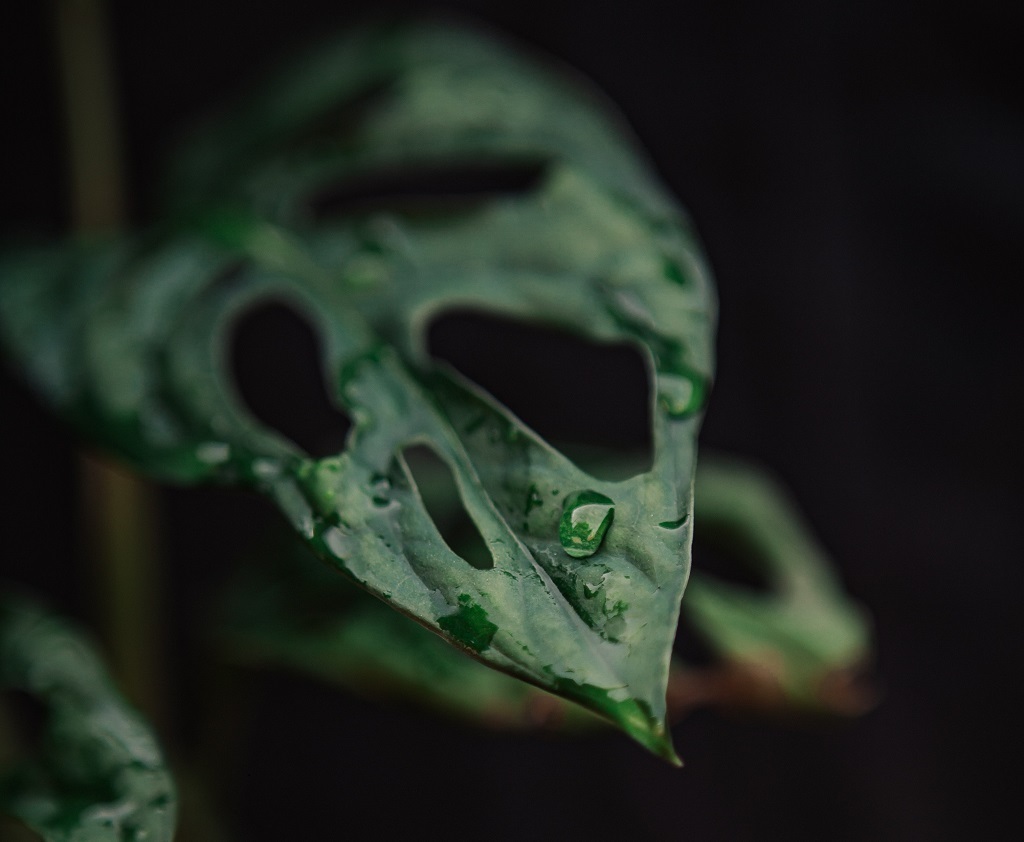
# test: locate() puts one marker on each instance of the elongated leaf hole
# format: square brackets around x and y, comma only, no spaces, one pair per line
[589,399]
[726,554]
[277,368]
[426,191]
[441,497]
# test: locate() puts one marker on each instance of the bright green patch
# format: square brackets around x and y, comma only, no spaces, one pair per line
[469,625]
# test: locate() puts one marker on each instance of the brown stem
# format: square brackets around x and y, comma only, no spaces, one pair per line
[118,510]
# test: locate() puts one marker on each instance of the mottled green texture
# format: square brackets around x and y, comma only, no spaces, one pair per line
[127,339]
[99,775]
[683,393]
[586,516]
[469,625]
[288,611]
[285,609]
[804,629]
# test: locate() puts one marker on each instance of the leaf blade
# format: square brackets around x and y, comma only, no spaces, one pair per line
[595,247]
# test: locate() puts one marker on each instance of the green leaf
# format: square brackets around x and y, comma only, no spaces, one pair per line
[804,637]
[285,609]
[794,645]
[128,340]
[99,774]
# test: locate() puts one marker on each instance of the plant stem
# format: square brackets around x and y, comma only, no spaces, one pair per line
[93,134]
[120,523]
[118,509]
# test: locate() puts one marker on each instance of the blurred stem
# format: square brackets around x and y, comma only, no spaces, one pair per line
[118,509]
[93,132]
[120,526]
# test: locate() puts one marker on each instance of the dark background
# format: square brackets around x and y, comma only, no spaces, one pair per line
[857,174]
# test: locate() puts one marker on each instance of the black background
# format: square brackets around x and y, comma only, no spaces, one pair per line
[856,172]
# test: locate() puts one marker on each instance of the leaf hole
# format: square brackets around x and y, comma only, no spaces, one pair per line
[276,363]
[589,399]
[426,191]
[728,555]
[440,495]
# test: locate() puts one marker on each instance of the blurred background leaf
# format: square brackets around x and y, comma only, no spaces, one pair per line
[97,774]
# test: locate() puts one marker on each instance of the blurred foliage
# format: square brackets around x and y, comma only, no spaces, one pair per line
[97,774]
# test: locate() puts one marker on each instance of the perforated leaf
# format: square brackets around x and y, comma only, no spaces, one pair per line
[128,339]
[798,643]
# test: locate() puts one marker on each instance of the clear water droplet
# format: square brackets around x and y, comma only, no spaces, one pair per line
[586,516]
[323,481]
[266,469]
[338,543]
[533,499]
[213,452]
[682,393]
[380,489]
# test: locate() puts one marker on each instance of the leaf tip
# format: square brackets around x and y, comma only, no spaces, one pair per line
[633,716]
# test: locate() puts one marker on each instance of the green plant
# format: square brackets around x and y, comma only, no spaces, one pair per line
[578,593]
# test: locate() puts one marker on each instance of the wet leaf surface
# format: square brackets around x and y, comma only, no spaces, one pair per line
[128,339]
[285,609]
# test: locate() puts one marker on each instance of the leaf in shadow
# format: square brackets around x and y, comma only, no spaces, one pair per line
[98,775]
[286,609]
[804,641]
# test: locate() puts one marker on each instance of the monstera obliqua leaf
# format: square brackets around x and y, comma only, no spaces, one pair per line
[283,200]
[98,775]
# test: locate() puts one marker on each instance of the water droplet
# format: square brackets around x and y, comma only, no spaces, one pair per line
[322,480]
[213,452]
[337,542]
[266,468]
[379,488]
[586,517]
[683,393]
[533,499]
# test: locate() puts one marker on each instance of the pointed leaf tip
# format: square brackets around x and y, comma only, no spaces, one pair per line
[633,716]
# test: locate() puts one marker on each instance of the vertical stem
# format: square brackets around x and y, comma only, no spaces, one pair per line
[118,509]
[93,133]
[119,512]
